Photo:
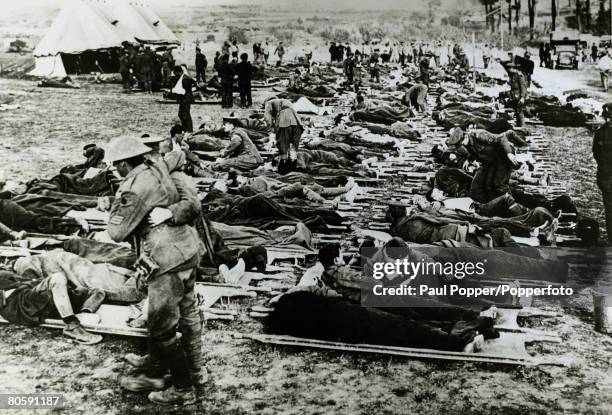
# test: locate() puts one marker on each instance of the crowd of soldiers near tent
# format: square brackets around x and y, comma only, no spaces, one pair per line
[144,66]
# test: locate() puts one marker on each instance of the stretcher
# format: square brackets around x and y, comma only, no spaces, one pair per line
[508,349]
[113,319]
[169,101]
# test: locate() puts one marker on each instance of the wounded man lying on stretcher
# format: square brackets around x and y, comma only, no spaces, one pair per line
[30,302]
[320,312]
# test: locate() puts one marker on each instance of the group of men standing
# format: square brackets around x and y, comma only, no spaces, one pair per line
[227,72]
[261,52]
[145,66]
[337,50]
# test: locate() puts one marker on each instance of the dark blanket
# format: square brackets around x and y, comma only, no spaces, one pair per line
[357,142]
[304,314]
[205,143]
[481,111]
[264,213]
[305,178]
[562,117]
[397,130]
[551,112]
[509,263]
[343,149]
[54,203]
[382,115]
[256,129]
[101,252]
[24,306]
[293,97]
[31,307]
[453,182]
[95,159]
[52,83]
[457,118]
[103,184]
[19,219]
[320,91]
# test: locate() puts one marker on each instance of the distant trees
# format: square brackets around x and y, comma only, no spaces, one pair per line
[283,35]
[454,21]
[370,31]
[603,19]
[17,45]
[433,6]
[490,6]
[238,34]
[335,35]
[531,8]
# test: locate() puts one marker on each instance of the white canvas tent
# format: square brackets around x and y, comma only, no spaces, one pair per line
[130,19]
[77,28]
[156,23]
[89,29]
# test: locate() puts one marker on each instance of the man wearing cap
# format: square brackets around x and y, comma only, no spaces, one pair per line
[168,256]
[333,52]
[526,66]
[280,51]
[401,53]
[240,154]
[518,89]
[602,153]
[374,66]
[349,68]
[182,212]
[245,71]
[186,99]
[284,120]
[125,71]
[486,55]
[496,155]
[145,69]
[226,76]
[424,71]
[416,97]
[200,63]
[462,66]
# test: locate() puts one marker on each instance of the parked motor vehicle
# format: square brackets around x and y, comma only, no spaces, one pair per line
[566,47]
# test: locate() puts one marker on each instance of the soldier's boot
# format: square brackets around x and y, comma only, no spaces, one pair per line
[181,392]
[191,342]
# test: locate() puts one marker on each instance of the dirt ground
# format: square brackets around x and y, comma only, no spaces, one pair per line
[49,131]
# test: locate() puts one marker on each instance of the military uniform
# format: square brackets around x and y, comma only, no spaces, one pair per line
[518,91]
[602,153]
[241,152]
[201,63]
[124,70]
[416,97]
[175,249]
[493,177]
[280,114]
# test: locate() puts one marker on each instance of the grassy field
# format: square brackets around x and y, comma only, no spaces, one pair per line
[49,131]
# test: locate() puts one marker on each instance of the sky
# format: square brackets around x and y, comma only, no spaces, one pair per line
[11,6]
